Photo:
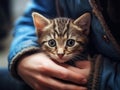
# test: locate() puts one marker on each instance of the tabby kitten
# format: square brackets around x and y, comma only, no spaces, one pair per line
[62,39]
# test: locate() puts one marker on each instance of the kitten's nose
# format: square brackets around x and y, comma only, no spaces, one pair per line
[60,55]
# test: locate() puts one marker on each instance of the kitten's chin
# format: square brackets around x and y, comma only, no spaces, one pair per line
[60,60]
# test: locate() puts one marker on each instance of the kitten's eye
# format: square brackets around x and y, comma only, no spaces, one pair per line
[70,42]
[52,43]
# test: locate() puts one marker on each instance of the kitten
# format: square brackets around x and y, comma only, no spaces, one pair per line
[62,39]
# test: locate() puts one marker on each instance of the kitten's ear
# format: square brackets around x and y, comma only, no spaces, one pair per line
[40,21]
[84,22]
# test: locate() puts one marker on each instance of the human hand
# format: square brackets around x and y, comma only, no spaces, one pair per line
[40,73]
[81,67]
[84,67]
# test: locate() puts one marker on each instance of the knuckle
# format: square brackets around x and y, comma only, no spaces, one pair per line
[42,68]
[64,76]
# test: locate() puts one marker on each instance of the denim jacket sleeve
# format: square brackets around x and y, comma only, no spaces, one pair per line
[24,36]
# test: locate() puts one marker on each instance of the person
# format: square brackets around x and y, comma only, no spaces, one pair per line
[31,66]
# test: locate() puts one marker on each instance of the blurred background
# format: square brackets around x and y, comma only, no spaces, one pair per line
[10,10]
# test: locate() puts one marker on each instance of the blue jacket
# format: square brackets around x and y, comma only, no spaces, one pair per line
[106,75]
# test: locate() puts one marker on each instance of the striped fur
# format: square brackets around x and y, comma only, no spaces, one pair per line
[62,39]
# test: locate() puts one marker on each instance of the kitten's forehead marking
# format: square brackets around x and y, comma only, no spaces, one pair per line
[61,25]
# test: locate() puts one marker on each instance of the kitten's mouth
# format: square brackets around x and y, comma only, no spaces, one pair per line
[61,59]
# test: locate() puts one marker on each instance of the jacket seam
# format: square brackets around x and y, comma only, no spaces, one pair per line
[95,74]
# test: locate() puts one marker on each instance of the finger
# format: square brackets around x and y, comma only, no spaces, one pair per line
[33,82]
[83,64]
[84,71]
[57,85]
[63,73]
[72,68]
[37,86]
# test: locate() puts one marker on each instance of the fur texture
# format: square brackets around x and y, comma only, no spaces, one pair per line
[62,39]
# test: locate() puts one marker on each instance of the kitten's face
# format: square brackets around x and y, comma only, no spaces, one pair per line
[61,38]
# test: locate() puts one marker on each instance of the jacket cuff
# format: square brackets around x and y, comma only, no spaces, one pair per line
[15,60]
[95,74]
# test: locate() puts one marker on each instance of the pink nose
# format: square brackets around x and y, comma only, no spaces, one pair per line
[60,55]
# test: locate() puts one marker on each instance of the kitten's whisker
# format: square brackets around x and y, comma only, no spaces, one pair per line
[78,57]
